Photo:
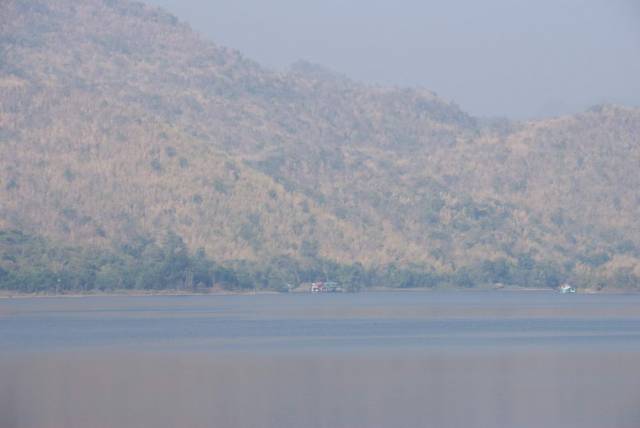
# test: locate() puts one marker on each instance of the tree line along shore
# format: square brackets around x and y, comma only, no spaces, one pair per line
[32,265]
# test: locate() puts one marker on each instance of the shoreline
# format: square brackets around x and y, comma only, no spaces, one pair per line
[132,293]
[179,293]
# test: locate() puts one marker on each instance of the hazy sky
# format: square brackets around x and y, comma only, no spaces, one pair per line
[512,58]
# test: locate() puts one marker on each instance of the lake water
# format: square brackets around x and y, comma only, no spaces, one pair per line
[413,359]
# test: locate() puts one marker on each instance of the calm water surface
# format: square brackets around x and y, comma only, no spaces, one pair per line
[415,359]
[326,323]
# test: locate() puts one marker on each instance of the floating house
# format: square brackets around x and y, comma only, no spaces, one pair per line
[325,287]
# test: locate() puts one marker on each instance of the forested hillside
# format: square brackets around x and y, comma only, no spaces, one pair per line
[136,154]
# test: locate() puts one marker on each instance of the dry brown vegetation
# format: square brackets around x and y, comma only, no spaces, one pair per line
[117,120]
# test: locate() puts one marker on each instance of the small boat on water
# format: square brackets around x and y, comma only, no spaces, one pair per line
[567,289]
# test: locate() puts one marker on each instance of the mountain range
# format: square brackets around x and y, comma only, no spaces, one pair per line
[122,127]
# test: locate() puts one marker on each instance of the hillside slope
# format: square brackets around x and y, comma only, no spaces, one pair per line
[120,124]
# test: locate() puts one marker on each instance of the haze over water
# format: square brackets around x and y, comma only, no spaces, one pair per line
[366,360]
